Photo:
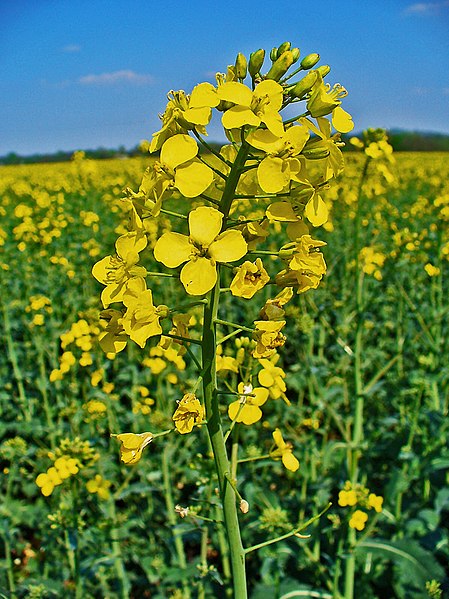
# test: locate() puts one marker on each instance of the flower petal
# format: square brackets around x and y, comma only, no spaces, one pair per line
[235,92]
[198,116]
[281,211]
[273,121]
[273,174]
[204,94]
[192,178]
[289,461]
[342,120]
[198,276]
[178,149]
[172,249]
[237,116]
[228,247]
[205,224]
[316,211]
[273,90]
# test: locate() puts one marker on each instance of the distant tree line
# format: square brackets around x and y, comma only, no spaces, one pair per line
[402,141]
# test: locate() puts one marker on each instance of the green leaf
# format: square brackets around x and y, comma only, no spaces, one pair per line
[415,564]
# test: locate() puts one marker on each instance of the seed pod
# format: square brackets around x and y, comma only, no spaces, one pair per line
[255,62]
[240,66]
[281,66]
[315,153]
[309,61]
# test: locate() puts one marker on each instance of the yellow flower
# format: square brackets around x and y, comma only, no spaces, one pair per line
[246,409]
[201,250]
[358,520]
[284,451]
[431,270]
[179,167]
[375,501]
[327,143]
[113,339]
[66,466]
[250,277]
[116,271]
[281,164]
[283,212]
[184,112]
[323,100]
[273,308]
[268,337]
[132,445]
[47,481]
[347,497]
[188,413]
[100,486]
[141,319]
[272,377]
[253,107]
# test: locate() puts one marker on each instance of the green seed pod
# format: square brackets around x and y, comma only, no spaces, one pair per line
[324,70]
[281,66]
[304,85]
[255,62]
[296,53]
[240,66]
[273,54]
[283,48]
[309,61]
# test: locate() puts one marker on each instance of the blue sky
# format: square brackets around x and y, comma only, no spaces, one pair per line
[89,73]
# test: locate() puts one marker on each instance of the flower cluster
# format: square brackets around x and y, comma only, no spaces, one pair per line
[359,496]
[203,213]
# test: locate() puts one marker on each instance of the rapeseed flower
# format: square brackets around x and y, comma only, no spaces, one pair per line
[202,249]
[246,409]
[188,413]
[358,520]
[116,271]
[268,337]
[100,486]
[132,445]
[249,278]
[284,451]
[252,107]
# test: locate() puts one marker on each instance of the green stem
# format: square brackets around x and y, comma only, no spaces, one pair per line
[117,551]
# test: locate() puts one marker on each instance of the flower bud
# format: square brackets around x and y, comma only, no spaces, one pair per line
[281,66]
[283,48]
[304,85]
[244,506]
[315,153]
[240,66]
[324,70]
[295,53]
[309,61]
[273,54]
[255,62]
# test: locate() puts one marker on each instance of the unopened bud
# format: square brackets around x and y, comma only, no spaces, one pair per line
[240,66]
[295,53]
[163,311]
[244,506]
[273,54]
[324,70]
[305,85]
[309,61]
[255,62]
[281,66]
[315,153]
[283,48]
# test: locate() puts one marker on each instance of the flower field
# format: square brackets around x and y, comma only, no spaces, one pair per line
[362,379]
